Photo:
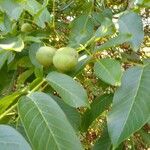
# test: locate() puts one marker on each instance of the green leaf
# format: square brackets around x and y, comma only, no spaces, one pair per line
[148,122]
[98,106]
[107,12]
[45,2]
[132,23]
[32,55]
[144,3]
[107,28]
[6,81]
[24,76]
[132,57]
[71,113]
[10,139]
[39,12]
[34,83]
[24,62]
[13,43]
[99,17]
[145,136]
[6,56]
[32,39]
[41,17]
[82,62]
[3,58]
[46,124]
[38,72]
[131,104]
[104,142]
[2,26]
[70,91]
[108,70]
[32,6]
[82,29]
[146,61]
[6,119]
[12,8]
[113,42]
[6,101]
[10,58]
[5,24]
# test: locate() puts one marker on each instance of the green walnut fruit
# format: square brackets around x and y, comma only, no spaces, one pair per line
[65,59]
[26,27]
[44,55]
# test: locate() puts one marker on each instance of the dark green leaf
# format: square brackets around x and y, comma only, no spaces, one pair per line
[131,104]
[70,90]
[98,18]
[145,136]
[6,101]
[39,12]
[10,139]
[24,76]
[108,70]
[24,62]
[32,6]
[38,72]
[116,41]
[12,8]
[32,39]
[3,58]
[42,17]
[5,24]
[104,142]
[46,124]
[6,80]
[32,54]
[98,106]
[107,28]
[11,57]
[82,29]
[71,113]
[132,23]
[82,62]
[35,82]
[13,43]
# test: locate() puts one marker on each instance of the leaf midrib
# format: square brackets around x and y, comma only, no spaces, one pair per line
[67,92]
[46,123]
[44,120]
[134,98]
[105,68]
